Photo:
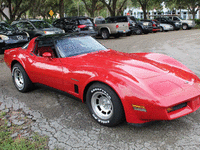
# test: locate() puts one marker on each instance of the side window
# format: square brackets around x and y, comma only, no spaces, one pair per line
[175,19]
[19,25]
[163,19]
[27,26]
[45,46]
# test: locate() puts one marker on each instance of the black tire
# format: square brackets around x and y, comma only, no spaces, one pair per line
[139,31]
[161,29]
[184,26]
[105,34]
[104,105]
[173,27]
[21,79]
[1,51]
[117,35]
[128,34]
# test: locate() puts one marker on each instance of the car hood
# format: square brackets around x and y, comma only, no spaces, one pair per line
[139,65]
[12,32]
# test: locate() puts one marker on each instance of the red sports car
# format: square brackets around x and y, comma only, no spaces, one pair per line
[136,87]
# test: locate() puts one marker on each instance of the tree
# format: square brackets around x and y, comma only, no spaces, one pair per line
[92,6]
[16,8]
[147,5]
[114,5]
[40,10]
[191,5]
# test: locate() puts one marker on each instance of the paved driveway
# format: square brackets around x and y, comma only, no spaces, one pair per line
[68,123]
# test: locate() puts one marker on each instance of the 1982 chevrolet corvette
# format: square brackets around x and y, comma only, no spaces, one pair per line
[116,86]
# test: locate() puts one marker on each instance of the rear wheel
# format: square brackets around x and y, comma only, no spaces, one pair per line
[104,105]
[185,26]
[105,34]
[21,79]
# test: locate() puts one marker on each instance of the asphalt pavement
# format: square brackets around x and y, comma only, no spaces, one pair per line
[69,125]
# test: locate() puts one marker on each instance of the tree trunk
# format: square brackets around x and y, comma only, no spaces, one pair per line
[61,8]
[144,11]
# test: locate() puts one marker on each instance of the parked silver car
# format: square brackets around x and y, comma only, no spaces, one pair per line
[166,27]
[186,24]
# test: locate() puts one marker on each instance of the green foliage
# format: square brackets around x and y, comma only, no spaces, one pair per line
[197,21]
[2,114]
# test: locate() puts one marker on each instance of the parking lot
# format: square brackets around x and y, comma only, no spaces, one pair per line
[69,125]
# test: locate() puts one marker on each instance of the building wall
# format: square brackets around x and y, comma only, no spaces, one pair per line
[138,13]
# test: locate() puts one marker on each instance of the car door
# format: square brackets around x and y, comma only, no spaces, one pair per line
[47,71]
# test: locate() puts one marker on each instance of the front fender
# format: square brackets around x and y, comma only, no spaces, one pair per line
[128,90]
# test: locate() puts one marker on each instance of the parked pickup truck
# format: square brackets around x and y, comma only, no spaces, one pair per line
[186,24]
[109,26]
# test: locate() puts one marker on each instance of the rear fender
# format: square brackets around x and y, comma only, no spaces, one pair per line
[105,28]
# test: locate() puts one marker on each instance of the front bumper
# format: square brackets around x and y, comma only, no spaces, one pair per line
[192,25]
[147,29]
[8,44]
[156,29]
[153,110]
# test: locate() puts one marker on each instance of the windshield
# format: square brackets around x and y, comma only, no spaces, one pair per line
[6,27]
[68,46]
[41,24]
[133,19]
[85,21]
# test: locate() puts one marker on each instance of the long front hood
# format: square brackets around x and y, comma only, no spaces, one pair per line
[140,65]
[160,75]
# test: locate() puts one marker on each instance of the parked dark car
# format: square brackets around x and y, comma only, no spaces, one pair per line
[36,27]
[156,25]
[10,37]
[176,24]
[83,25]
[142,26]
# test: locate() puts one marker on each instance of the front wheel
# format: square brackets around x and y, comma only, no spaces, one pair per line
[21,79]
[104,105]
[139,31]
[185,27]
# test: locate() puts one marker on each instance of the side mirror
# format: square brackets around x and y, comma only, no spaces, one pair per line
[47,55]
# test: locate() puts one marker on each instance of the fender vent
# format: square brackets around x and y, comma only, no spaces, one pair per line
[76,88]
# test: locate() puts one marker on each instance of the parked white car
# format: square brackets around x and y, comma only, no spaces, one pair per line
[165,27]
[186,24]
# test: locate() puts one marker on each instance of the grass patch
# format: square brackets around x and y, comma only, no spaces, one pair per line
[19,143]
